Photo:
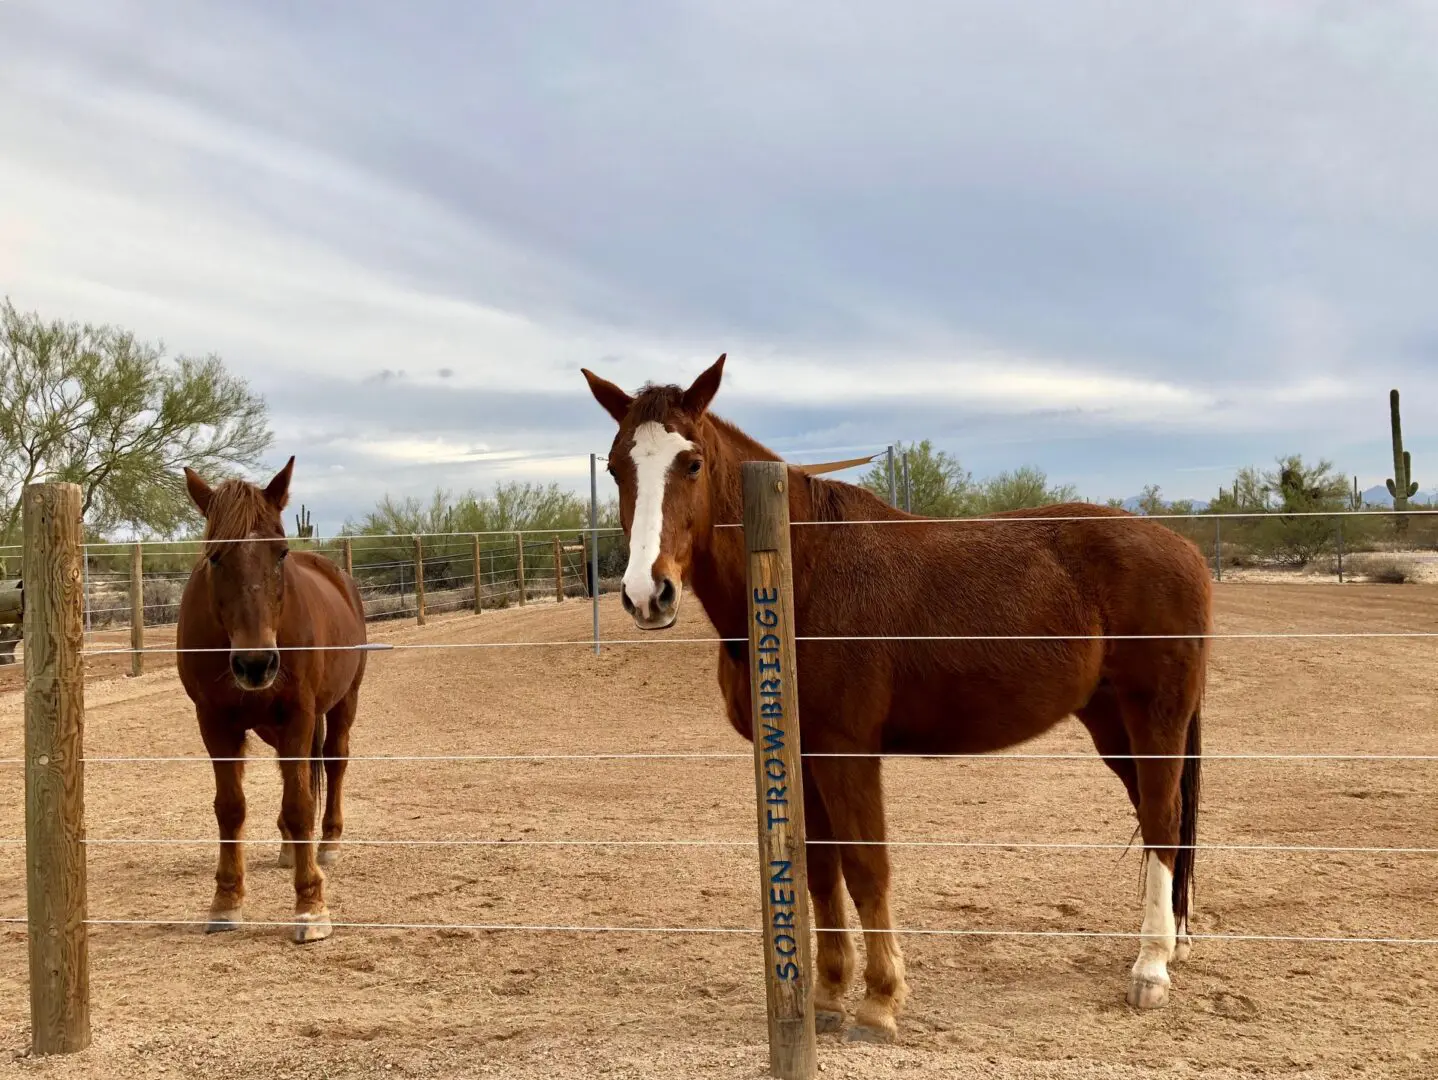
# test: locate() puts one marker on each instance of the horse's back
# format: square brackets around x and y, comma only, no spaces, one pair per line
[338,589]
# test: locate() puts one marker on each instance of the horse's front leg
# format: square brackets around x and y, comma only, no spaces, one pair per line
[297,817]
[834,959]
[225,743]
[853,798]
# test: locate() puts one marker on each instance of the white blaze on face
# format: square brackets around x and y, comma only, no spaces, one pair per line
[653,453]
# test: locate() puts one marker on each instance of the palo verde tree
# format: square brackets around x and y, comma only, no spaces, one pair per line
[939,486]
[95,406]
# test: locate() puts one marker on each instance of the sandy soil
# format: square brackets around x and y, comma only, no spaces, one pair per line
[428,1003]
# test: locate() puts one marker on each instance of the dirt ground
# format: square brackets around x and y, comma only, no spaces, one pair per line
[172,1002]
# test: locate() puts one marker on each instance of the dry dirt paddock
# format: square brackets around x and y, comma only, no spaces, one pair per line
[172,1002]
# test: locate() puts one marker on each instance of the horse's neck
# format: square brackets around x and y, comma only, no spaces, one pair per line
[720,571]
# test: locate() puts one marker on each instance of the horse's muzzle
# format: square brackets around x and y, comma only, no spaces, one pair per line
[254,669]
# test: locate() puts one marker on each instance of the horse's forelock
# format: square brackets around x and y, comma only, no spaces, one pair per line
[656,404]
[237,509]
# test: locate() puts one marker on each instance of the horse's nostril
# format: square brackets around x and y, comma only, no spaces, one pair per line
[624,600]
[666,594]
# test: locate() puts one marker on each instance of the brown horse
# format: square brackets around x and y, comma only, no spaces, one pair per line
[280,630]
[1069,582]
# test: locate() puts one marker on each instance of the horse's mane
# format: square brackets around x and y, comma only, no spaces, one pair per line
[238,509]
[836,500]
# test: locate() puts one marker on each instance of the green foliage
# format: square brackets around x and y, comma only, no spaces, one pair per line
[96,406]
[384,553]
[1024,488]
[1249,494]
[942,488]
[939,486]
[1300,488]
[1151,501]
[512,506]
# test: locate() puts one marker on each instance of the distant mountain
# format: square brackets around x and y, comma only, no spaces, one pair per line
[1378,495]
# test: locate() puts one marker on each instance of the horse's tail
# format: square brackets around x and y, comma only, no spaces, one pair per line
[1188,786]
[317,768]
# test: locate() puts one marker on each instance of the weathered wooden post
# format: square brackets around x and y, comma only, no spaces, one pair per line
[519,564]
[137,611]
[349,554]
[558,570]
[1218,549]
[54,769]
[1340,548]
[778,781]
[419,580]
[478,579]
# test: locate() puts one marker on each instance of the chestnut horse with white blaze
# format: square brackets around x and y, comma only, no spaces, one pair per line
[278,632]
[1071,589]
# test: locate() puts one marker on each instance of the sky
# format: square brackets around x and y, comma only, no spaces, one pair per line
[1127,243]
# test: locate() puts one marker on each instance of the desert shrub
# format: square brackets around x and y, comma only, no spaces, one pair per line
[1388,572]
[162,600]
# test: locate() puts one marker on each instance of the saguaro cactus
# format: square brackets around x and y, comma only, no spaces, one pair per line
[1355,501]
[1402,486]
[303,528]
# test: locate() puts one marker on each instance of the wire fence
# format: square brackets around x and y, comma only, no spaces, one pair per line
[518,564]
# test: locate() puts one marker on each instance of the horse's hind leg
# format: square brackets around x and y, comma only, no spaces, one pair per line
[834,960]
[337,748]
[1157,739]
[226,745]
[1104,720]
[853,797]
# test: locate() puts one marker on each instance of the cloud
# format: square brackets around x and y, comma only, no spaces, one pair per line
[1199,234]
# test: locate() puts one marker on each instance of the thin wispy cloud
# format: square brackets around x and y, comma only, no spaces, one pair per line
[1117,248]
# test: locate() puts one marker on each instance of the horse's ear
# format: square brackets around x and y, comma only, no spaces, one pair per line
[200,492]
[277,492]
[615,401]
[701,392]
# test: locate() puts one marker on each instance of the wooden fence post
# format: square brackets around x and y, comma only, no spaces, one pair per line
[778,780]
[54,769]
[558,570]
[478,580]
[349,554]
[419,580]
[137,611]
[519,566]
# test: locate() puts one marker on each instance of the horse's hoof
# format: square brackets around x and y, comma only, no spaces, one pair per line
[1147,993]
[826,1020]
[1181,950]
[286,860]
[220,921]
[866,1033]
[328,856]
[312,926]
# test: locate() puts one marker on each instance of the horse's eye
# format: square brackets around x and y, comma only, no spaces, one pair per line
[695,467]
[284,554]
[214,558]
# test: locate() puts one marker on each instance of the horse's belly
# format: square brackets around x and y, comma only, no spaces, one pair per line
[977,719]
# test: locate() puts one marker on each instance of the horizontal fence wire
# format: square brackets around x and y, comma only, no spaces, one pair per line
[534,928]
[1266,515]
[975,845]
[834,638]
[733,755]
[359,540]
